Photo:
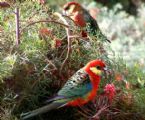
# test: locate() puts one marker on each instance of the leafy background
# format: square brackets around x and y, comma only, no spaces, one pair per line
[31,71]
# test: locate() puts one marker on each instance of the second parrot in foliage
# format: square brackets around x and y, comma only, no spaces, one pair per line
[77,91]
[82,18]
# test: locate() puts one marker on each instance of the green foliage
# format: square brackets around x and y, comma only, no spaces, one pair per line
[34,70]
[6,66]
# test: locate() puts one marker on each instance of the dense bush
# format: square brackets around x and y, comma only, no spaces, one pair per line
[37,67]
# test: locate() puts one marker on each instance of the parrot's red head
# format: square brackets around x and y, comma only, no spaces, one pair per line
[76,13]
[96,67]
[72,7]
[69,4]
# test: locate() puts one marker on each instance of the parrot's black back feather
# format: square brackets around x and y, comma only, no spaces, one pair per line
[93,26]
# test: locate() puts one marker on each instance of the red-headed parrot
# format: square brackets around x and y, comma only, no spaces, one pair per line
[77,91]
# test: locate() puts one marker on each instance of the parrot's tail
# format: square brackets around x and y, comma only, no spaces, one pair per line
[51,106]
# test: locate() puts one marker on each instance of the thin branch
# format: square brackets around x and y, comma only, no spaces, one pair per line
[86,111]
[47,21]
[35,13]
[17,17]
[84,114]
[62,53]
[68,33]
[100,111]
[78,37]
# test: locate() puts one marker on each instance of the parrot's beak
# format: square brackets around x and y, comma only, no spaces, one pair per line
[64,12]
[107,70]
[107,73]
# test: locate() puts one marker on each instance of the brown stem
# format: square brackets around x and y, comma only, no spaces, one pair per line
[17,26]
[86,111]
[100,111]
[40,21]
[68,33]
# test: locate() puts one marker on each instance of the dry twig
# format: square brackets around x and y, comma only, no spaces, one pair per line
[68,33]
[47,21]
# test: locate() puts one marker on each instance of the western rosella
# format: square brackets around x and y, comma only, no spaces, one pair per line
[78,90]
[82,18]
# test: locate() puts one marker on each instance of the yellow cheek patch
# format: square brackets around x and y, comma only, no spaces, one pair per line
[94,70]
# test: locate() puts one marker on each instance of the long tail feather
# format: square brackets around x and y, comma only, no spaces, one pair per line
[56,98]
[41,110]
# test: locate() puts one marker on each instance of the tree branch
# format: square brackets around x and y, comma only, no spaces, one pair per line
[17,17]
[40,21]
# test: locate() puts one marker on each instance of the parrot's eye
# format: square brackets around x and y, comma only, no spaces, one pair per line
[66,8]
[98,67]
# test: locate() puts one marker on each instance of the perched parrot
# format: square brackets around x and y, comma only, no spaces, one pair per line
[77,91]
[82,18]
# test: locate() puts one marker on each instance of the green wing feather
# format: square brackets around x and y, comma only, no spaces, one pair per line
[77,86]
